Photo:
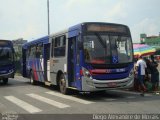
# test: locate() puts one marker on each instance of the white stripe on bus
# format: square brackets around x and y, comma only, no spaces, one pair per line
[26,106]
[48,101]
[69,97]
[38,70]
[40,65]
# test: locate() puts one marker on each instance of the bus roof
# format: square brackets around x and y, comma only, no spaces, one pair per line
[79,26]
[84,23]
[6,42]
[43,40]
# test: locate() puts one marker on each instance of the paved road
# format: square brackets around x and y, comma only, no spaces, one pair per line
[22,98]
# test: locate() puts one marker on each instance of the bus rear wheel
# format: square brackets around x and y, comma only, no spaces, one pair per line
[5,80]
[62,85]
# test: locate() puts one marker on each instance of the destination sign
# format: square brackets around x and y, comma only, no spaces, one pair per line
[106,28]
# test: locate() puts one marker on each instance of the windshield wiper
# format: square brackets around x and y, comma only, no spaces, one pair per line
[100,40]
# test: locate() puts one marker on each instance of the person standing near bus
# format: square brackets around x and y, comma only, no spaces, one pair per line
[141,67]
[154,74]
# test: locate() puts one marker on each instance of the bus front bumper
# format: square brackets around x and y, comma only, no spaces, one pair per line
[96,85]
[7,75]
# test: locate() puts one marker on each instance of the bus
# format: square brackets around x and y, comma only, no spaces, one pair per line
[7,65]
[35,55]
[90,56]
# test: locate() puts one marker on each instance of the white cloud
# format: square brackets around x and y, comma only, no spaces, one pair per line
[25,19]
[72,3]
[117,11]
[150,26]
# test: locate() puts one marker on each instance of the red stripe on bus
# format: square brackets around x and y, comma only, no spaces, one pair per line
[34,72]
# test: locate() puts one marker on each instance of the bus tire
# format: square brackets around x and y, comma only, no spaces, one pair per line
[62,85]
[5,80]
[32,81]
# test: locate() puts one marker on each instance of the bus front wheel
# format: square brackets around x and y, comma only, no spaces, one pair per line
[5,80]
[62,84]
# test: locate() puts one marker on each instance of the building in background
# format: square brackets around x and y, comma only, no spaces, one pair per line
[18,44]
[153,41]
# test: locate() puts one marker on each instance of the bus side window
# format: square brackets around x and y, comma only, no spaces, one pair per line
[32,53]
[79,47]
[59,46]
[39,50]
[28,53]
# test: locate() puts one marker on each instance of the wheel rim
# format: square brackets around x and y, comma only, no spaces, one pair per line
[62,85]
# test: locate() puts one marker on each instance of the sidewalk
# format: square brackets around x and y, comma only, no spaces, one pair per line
[147,92]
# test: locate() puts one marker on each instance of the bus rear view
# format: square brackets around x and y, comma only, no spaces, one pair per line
[7,68]
[108,57]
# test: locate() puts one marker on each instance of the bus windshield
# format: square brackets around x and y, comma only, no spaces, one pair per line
[6,55]
[99,48]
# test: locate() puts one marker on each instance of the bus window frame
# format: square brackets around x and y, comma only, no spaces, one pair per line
[40,48]
[61,45]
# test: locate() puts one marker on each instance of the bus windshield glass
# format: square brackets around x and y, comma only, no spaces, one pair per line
[6,55]
[99,48]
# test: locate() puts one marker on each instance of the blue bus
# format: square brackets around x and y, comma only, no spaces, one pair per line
[7,65]
[90,56]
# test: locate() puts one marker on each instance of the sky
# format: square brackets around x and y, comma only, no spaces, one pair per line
[27,19]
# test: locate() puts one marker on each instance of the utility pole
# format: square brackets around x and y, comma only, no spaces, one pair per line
[48,17]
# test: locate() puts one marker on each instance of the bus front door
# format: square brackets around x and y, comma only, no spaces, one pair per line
[73,63]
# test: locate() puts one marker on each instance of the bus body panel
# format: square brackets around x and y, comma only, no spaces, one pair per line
[58,65]
[7,71]
[95,84]
[73,35]
[35,65]
[114,74]
[62,64]
[109,80]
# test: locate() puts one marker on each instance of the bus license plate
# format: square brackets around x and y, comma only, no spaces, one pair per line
[112,84]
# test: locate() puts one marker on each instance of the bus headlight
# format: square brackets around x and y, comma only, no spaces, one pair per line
[86,73]
[131,73]
[10,70]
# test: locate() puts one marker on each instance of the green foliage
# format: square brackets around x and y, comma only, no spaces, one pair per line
[18,58]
